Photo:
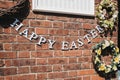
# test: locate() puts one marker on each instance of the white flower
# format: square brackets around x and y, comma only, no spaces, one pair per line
[107,43]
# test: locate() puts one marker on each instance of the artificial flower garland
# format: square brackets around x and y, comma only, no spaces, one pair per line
[107,14]
[99,64]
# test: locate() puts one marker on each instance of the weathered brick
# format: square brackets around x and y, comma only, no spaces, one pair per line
[42,31]
[40,17]
[23,62]
[24,77]
[87,52]
[37,69]
[74,32]
[23,47]
[58,24]
[7,46]
[56,75]
[87,26]
[57,67]
[24,54]
[57,61]
[42,61]
[1,78]
[8,63]
[39,23]
[8,71]
[60,32]
[73,60]
[41,76]
[71,67]
[22,70]
[72,74]
[41,54]
[57,18]
[8,77]
[58,53]
[85,59]
[85,65]
[85,72]
[86,78]
[7,30]
[7,38]
[8,55]
[95,77]
[73,53]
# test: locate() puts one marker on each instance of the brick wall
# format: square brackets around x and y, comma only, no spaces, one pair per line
[21,59]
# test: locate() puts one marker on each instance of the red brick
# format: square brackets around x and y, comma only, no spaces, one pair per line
[56,75]
[23,62]
[40,17]
[96,77]
[87,52]
[8,77]
[42,61]
[85,72]
[58,24]
[7,46]
[57,46]
[74,32]
[39,23]
[58,53]
[23,47]
[21,39]
[85,59]
[57,18]
[72,60]
[72,79]
[43,47]
[22,70]
[8,63]
[1,78]
[41,76]
[41,54]
[42,31]
[72,73]
[69,26]
[7,38]
[8,71]
[24,54]
[8,55]
[24,77]
[7,30]
[25,22]
[57,61]
[87,26]
[2,63]
[6,5]
[60,32]
[36,69]
[73,53]
[71,67]
[86,78]
[57,67]
[85,65]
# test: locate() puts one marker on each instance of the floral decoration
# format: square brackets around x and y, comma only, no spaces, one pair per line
[107,14]
[99,52]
